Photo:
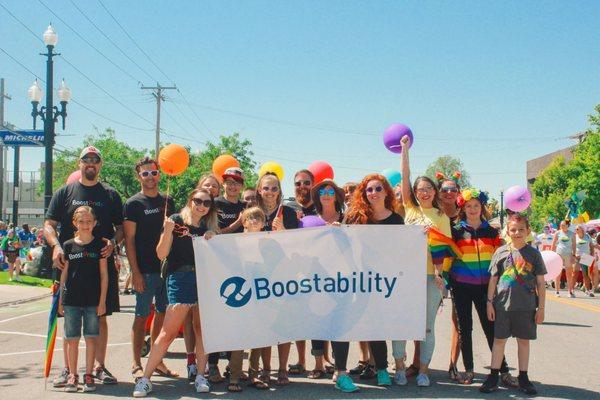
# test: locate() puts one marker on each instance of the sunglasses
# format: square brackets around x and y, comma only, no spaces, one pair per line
[377,189]
[449,189]
[302,183]
[90,160]
[326,192]
[273,189]
[145,174]
[205,203]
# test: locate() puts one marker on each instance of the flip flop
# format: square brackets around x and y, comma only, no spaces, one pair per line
[166,374]
[258,384]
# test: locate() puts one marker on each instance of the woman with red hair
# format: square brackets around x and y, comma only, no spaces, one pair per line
[374,203]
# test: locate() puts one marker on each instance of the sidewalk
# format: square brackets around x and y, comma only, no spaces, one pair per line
[12,294]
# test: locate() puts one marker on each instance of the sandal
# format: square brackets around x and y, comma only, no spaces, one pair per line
[508,380]
[137,372]
[265,376]
[453,373]
[330,369]
[234,387]
[467,378]
[360,367]
[258,384]
[214,375]
[316,374]
[243,377]
[296,369]
[282,378]
[413,370]
[167,373]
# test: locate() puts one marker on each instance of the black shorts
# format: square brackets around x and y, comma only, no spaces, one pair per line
[112,294]
[519,324]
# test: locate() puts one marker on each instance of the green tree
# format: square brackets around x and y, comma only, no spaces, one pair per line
[560,180]
[448,165]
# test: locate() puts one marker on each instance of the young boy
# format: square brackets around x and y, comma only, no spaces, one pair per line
[516,299]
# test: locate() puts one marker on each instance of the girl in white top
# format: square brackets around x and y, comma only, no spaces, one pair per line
[583,245]
[564,244]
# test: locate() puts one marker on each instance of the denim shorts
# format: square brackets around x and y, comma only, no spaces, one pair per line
[181,288]
[74,316]
[154,289]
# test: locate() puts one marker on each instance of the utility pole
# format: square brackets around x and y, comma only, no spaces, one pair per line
[159,97]
[2,148]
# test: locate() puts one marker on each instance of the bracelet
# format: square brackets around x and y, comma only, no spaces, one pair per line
[491,301]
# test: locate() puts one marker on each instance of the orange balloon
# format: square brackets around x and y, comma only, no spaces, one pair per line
[173,159]
[223,162]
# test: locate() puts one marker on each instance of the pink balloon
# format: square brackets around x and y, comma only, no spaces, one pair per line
[321,171]
[74,177]
[553,263]
[517,198]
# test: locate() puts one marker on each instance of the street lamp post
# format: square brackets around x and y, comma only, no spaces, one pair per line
[501,208]
[49,113]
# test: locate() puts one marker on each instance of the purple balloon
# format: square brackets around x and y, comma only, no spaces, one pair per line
[517,198]
[392,136]
[311,221]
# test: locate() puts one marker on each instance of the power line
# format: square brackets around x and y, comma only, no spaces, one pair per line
[111,41]
[90,44]
[133,41]
[35,35]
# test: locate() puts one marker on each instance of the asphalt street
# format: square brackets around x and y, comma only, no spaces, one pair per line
[565,363]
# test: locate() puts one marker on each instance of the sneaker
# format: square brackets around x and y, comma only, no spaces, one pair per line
[557,294]
[490,385]
[526,386]
[201,384]
[572,295]
[142,387]
[367,373]
[345,384]
[72,383]
[400,378]
[88,383]
[423,380]
[61,379]
[192,371]
[359,368]
[383,378]
[104,376]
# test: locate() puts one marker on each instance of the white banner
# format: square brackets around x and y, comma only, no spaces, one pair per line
[350,283]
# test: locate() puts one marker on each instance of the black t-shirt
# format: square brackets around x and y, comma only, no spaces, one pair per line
[229,212]
[182,249]
[82,285]
[393,219]
[310,210]
[148,214]
[104,200]
[290,219]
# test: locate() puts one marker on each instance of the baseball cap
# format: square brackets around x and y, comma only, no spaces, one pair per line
[90,150]
[234,173]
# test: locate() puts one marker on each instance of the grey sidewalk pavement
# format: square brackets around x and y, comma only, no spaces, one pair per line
[15,294]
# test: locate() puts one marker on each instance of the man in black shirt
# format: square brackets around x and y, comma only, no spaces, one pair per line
[107,206]
[229,206]
[143,215]
[303,182]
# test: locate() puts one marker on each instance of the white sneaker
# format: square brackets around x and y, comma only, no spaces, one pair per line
[572,295]
[423,380]
[400,378]
[201,384]
[142,387]
[557,294]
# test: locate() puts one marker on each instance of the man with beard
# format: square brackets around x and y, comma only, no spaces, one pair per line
[303,182]
[107,206]
[143,215]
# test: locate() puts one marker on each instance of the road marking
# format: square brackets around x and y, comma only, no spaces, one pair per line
[23,316]
[587,307]
[27,334]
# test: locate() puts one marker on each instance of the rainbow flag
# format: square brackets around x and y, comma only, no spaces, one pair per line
[52,328]
[442,249]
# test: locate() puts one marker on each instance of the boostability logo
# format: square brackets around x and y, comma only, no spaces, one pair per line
[235,295]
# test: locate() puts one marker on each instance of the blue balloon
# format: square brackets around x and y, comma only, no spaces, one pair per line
[394,177]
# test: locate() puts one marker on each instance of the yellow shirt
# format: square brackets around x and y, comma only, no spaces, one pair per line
[428,217]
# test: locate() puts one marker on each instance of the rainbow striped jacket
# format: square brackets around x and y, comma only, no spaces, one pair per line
[477,247]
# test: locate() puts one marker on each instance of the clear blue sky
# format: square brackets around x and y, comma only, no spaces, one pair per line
[494,84]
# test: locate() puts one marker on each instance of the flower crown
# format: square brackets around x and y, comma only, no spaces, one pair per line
[471,193]
[441,177]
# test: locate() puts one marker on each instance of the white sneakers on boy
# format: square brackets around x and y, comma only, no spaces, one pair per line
[142,387]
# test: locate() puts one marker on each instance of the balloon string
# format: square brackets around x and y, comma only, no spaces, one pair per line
[167,196]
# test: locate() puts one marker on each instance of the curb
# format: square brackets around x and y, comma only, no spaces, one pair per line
[22,301]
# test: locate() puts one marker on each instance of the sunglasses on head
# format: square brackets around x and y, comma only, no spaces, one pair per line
[205,203]
[145,174]
[273,189]
[326,192]
[374,189]
[90,160]
[449,189]
[302,183]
